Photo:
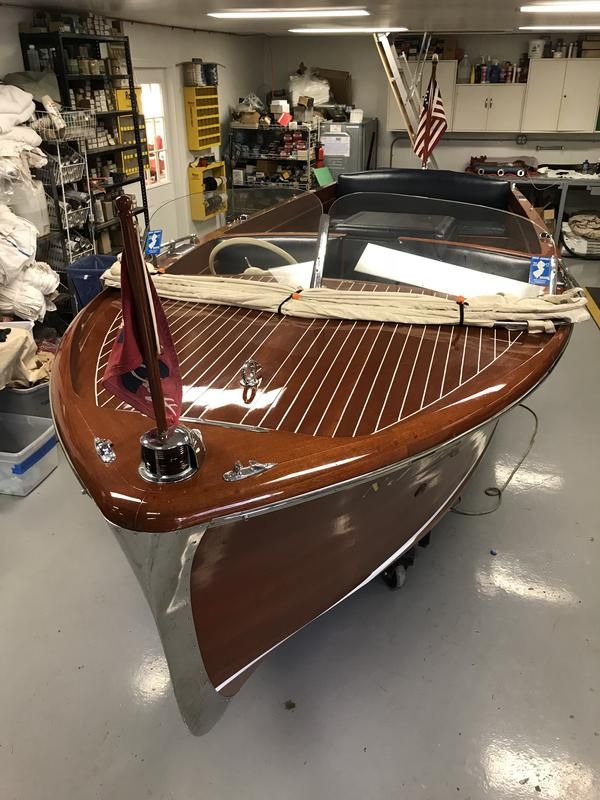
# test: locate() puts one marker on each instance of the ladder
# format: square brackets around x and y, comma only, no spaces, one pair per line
[405,82]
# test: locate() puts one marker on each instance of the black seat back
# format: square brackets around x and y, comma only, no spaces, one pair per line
[440,184]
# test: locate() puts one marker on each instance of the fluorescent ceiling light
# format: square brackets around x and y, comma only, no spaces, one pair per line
[559,28]
[563,7]
[339,29]
[300,13]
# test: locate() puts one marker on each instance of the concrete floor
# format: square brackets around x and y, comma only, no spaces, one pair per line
[479,679]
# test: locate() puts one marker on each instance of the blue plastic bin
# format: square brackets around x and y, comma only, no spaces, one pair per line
[85,277]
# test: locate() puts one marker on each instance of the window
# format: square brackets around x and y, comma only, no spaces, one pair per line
[152,105]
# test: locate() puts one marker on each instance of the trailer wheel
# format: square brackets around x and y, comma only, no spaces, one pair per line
[500,172]
[394,576]
[480,171]
[520,173]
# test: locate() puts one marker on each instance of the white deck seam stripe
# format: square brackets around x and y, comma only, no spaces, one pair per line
[412,372]
[272,378]
[311,345]
[312,369]
[237,355]
[393,378]
[360,374]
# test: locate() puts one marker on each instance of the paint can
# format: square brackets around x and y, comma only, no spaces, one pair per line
[211,73]
[193,73]
[536,48]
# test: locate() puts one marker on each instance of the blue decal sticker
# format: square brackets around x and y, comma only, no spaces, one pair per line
[540,270]
[153,240]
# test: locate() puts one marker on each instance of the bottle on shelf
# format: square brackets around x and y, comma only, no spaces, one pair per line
[33,59]
[464,69]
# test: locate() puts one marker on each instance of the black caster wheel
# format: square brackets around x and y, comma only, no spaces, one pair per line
[425,540]
[394,576]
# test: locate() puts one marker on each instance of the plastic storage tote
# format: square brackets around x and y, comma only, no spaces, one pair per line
[35,401]
[85,276]
[28,452]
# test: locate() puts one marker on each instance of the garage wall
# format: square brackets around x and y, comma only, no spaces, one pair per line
[165,48]
[10,50]
[357,54]
[154,47]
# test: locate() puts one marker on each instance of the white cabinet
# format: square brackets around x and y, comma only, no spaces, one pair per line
[505,107]
[490,107]
[579,106]
[562,95]
[446,78]
[544,93]
[470,109]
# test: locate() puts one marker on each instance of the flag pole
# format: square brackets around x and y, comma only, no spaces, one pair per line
[426,153]
[133,261]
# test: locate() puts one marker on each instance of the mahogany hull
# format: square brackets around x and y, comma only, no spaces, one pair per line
[246,574]
[225,595]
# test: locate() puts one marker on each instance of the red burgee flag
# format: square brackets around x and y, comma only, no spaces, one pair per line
[432,122]
[126,375]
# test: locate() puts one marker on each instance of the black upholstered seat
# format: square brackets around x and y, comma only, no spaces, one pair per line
[440,184]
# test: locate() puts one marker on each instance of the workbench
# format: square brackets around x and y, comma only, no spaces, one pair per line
[539,181]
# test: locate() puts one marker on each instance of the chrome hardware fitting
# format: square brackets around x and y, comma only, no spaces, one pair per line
[251,373]
[104,448]
[239,472]
[171,457]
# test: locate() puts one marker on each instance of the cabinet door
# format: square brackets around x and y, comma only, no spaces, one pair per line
[544,94]
[471,107]
[505,106]
[579,106]
[446,79]
[394,120]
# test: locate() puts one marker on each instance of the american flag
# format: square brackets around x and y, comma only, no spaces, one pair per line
[432,124]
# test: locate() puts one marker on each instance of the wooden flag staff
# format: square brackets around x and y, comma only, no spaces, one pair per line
[132,260]
[434,63]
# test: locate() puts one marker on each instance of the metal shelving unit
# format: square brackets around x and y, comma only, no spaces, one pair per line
[71,235]
[292,152]
[63,47]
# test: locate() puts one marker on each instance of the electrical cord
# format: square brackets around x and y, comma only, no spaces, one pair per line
[498,491]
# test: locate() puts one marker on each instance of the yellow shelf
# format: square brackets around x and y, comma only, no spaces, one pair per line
[196,186]
[203,129]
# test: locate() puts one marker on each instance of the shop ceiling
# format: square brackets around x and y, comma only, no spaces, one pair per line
[416,15]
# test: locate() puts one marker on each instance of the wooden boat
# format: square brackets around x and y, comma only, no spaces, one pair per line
[357,439]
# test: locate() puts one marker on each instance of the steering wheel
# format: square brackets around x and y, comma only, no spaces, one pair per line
[289,259]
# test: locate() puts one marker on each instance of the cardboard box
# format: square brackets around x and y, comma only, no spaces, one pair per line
[548,217]
[279,107]
[249,117]
[306,101]
[265,166]
[340,83]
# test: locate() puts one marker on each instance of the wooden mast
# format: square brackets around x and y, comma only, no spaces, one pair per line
[133,262]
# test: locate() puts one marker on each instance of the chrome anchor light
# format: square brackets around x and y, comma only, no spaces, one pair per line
[172,456]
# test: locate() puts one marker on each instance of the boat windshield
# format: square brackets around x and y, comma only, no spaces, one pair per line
[401,238]
[430,226]
[186,226]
